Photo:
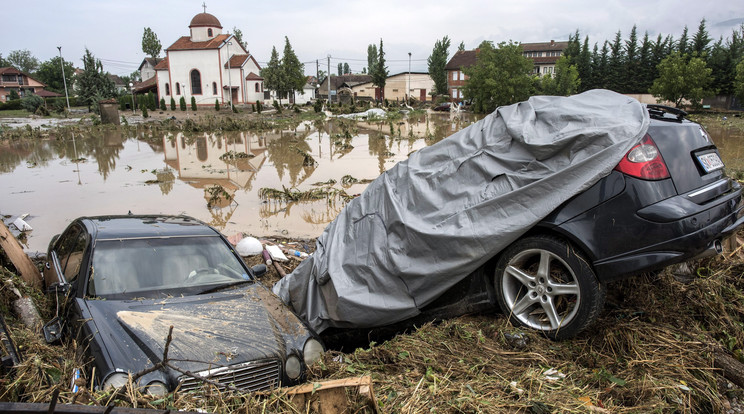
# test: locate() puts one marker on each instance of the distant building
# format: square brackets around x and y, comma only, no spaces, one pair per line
[13,79]
[209,66]
[398,87]
[456,79]
[339,81]
[544,55]
[147,68]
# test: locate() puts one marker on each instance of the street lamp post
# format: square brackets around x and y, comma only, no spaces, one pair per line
[131,88]
[64,81]
[409,80]
[229,78]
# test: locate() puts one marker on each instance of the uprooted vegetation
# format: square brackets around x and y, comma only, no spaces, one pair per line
[655,349]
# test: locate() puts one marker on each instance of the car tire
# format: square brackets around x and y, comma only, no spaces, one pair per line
[545,283]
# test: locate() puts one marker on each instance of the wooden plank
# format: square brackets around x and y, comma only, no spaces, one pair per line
[330,396]
[18,257]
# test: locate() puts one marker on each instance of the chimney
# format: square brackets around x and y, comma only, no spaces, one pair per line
[552,42]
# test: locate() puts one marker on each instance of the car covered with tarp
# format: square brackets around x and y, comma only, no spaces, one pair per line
[553,197]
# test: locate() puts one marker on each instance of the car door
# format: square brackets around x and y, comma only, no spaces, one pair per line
[67,246]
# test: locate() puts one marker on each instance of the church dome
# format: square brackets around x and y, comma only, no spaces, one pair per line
[205,20]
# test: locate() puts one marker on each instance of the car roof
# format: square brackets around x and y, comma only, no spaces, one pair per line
[130,227]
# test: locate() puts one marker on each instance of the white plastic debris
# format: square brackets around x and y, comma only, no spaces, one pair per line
[553,375]
[249,246]
[21,224]
[276,253]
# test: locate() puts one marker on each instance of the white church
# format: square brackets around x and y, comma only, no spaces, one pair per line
[209,66]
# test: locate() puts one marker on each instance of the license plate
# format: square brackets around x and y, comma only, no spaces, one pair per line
[710,161]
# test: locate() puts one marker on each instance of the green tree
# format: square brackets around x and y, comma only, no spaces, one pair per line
[182,103]
[680,79]
[739,81]
[437,61]
[498,77]
[50,74]
[293,71]
[566,81]
[3,63]
[93,83]
[380,75]
[723,59]
[682,44]
[461,47]
[193,104]
[615,74]
[340,69]
[272,73]
[23,60]
[13,95]
[631,64]
[217,105]
[150,43]
[347,69]
[584,64]
[372,58]
[700,41]
[238,34]
[162,104]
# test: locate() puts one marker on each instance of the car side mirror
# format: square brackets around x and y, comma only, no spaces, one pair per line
[259,270]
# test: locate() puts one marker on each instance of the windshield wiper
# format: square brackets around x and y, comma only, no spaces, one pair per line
[225,286]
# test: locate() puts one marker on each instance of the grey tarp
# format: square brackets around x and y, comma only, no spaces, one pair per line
[431,220]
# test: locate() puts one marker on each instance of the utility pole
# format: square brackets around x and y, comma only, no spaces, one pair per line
[329,82]
[229,78]
[62,64]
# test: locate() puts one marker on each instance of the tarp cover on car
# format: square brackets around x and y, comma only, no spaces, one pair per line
[432,219]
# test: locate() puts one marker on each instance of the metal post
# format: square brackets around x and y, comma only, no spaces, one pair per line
[131,88]
[229,78]
[408,101]
[62,64]
[329,82]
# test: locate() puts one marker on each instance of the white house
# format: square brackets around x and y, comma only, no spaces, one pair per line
[299,98]
[209,66]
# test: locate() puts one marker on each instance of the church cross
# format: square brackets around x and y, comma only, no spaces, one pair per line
[204,5]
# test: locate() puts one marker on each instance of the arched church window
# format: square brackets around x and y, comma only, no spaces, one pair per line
[209,32]
[257,87]
[196,82]
[167,89]
[214,88]
[178,88]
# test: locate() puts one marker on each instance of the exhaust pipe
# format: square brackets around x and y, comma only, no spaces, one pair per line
[715,247]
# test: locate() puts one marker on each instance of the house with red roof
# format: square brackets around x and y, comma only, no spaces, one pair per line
[13,79]
[209,65]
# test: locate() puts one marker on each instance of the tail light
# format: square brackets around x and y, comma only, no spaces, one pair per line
[644,161]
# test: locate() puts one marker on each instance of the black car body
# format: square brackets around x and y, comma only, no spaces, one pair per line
[129,279]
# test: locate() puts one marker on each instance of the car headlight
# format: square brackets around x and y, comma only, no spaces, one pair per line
[157,388]
[312,351]
[292,367]
[116,380]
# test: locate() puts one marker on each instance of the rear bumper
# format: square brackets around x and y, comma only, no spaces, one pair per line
[694,233]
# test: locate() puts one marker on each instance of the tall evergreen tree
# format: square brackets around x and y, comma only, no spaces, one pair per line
[238,34]
[603,66]
[293,71]
[615,74]
[583,66]
[347,70]
[150,43]
[631,78]
[573,49]
[372,58]
[437,61]
[340,69]
[645,73]
[272,73]
[461,47]
[700,41]
[682,44]
[594,80]
[379,76]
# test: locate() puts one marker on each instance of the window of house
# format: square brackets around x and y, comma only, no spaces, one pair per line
[395,90]
[167,89]
[178,88]
[214,88]
[258,87]
[209,32]
[196,82]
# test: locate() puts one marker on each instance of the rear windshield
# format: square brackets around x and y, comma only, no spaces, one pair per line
[152,267]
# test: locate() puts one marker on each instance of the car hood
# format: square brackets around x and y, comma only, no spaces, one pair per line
[209,330]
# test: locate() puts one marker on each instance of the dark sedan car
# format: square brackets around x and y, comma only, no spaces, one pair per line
[128,279]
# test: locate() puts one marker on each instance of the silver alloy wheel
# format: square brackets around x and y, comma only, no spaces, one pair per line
[541,289]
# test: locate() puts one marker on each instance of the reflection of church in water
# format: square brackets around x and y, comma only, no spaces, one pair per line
[197,159]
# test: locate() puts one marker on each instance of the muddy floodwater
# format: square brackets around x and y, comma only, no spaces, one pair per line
[219,177]
[215,177]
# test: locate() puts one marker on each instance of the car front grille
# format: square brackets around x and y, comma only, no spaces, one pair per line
[248,376]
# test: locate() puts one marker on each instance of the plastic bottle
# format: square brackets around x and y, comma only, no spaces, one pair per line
[296,253]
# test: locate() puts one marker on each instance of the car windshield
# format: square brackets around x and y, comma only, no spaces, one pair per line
[152,267]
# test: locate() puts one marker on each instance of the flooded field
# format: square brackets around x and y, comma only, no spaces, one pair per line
[216,178]
[290,182]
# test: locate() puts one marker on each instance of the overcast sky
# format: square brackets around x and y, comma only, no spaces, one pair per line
[112,30]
